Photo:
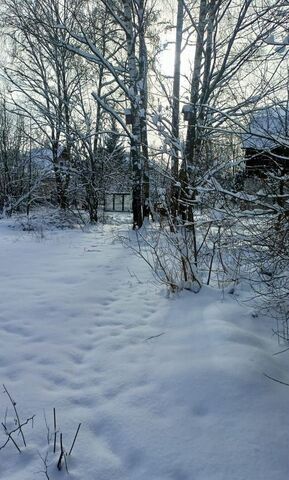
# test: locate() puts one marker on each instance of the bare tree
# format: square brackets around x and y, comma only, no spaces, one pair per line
[127,67]
[46,75]
[17,174]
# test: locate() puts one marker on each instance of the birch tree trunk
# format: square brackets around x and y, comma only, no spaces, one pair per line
[143,92]
[136,139]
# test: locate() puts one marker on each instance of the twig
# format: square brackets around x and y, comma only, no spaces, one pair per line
[44,460]
[133,275]
[282,351]
[75,436]
[62,455]
[9,438]
[154,336]
[65,461]
[16,413]
[55,432]
[47,428]
[5,416]
[275,380]
[59,463]
[30,419]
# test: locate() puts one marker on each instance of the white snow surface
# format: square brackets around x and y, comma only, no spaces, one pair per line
[165,388]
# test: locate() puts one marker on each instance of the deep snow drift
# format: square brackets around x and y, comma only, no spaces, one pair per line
[165,388]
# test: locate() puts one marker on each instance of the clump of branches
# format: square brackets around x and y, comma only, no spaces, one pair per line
[18,430]
[270,272]
[170,255]
[258,242]
[54,438]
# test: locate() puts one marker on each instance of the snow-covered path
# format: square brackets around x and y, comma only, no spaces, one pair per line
[165,389]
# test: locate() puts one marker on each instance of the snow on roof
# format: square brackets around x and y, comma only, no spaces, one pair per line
[42,157]
[188,107]
[267,129]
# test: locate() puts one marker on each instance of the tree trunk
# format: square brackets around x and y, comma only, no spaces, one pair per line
[192,131]
[188,193]
[175,190]
[143,92]
[136,156]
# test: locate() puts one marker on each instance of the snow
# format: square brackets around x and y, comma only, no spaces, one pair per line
[187,108]
[42,157]
[267,129]
[165,388]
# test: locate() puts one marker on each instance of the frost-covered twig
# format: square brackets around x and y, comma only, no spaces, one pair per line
[55,432]
[16,413]
[17,429]
[75,437]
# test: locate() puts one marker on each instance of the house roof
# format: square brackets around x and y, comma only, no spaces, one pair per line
[42,157]
[268,128]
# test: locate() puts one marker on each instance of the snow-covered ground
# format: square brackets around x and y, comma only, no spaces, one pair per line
[165,388]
